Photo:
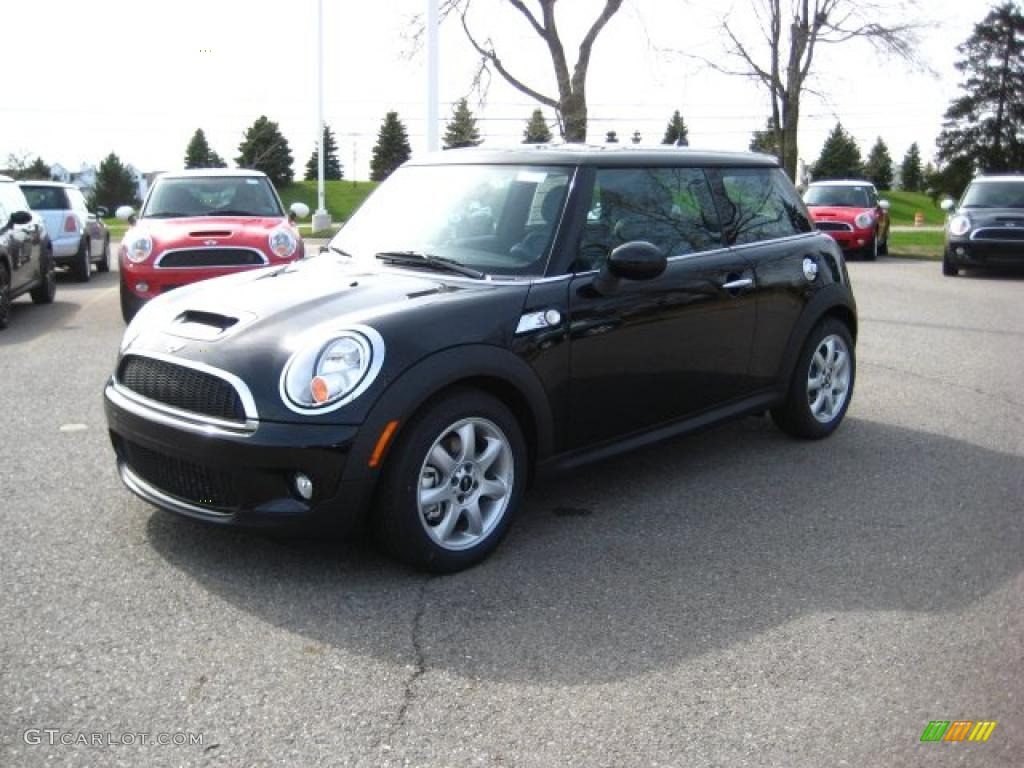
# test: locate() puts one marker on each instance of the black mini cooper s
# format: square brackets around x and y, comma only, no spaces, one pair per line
[485,315]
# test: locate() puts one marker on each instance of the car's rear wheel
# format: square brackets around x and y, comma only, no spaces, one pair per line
[452,484]
[822,384]
[5,296]
[82,267]
[130,303]
[103,265]
[949,269]
[46,290]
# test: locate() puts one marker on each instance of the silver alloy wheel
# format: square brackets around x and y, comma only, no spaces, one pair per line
[828,379]
[465,483]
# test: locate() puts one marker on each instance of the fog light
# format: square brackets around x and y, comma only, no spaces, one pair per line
[142,287]
[961,251]
[303,486]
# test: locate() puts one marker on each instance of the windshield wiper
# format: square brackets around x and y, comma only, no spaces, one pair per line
[337,250]
[415,258]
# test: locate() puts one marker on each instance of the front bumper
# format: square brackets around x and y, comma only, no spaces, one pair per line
[857,240]
[235,477]
[980,253]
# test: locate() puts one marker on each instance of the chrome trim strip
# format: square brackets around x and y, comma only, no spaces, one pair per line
[154,495]
[377,361]
[145,408]
[263,256]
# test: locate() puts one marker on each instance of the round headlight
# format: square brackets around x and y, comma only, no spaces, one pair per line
[332,372]
[283,242]
[959,225]
[864,220]
[138,248]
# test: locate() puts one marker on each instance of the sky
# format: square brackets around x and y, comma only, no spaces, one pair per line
[137,77]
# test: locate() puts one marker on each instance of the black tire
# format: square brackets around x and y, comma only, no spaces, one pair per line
[103,265]
[949,269]
[795,415]
[46,290]
[883,247]
[398,523]
[871,250]
[82,268]
[130,303]
[5,296]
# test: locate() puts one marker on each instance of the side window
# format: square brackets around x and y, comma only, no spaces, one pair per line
[761,204]
[669,207]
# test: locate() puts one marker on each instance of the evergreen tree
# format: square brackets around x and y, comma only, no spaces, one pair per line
[461,130]
[766,141]
[332,167]
[676,132]
[637,138]
[199,155]
[266,149]
[392,148]
[911,173]
[878,168]
[114,185]
[537,131]
[36,170]
[984,127]
[611,138]
[840,157]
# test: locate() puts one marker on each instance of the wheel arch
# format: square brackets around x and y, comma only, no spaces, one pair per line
[832,301]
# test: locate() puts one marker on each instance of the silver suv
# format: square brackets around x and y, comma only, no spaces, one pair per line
[80,239]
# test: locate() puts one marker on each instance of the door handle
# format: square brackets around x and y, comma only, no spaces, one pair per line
[735,285]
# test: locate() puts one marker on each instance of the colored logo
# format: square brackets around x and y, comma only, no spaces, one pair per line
[958,730]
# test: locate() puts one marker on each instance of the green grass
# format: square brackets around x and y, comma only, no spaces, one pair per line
[903,206]
[916,245]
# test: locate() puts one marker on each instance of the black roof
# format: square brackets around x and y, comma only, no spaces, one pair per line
[595,154]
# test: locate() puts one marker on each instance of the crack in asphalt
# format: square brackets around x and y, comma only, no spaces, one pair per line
[398,722]
[944,382]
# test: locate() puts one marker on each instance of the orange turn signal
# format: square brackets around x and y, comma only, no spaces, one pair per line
[382,443]
[319,389]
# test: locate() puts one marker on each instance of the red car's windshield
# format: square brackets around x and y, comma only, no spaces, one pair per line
[840,196]
[212,196]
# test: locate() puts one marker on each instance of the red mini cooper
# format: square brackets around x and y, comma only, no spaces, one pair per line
[200,224]
[852,214]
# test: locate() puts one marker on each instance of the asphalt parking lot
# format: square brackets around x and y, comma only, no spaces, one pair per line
[730,599]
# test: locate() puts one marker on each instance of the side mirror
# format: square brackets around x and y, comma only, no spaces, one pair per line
[883,204]
[635,260]
[124,212]
[101,212]
[298,211]
[20,218]
[947,204]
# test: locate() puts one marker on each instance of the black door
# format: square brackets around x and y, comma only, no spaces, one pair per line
[657,350]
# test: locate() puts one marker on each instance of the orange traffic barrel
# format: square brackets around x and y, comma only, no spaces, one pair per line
[918,219]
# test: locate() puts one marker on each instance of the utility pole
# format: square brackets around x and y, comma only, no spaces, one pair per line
[433,66]
[321,219]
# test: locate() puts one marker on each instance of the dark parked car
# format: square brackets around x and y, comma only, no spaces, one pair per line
[79,237]
[26,262]
[987,228]
[483,316]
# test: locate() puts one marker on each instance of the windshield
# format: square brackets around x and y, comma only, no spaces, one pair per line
[841,196]
[994,194]
[212,196]
[498,219]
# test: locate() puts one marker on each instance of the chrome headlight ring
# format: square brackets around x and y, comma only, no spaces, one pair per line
[346,362]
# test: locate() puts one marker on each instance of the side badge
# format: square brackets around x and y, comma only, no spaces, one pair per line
[810,269]
[534,321]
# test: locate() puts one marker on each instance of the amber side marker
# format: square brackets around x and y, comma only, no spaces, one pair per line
[382,443]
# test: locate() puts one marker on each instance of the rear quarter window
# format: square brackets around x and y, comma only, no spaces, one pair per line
[760,204]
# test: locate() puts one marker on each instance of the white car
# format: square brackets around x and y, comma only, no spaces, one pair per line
[80,238]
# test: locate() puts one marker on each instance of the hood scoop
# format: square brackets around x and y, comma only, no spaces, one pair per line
[211,233]
[201,326]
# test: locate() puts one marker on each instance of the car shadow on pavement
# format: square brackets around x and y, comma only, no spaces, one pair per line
[30,320]
[651,559]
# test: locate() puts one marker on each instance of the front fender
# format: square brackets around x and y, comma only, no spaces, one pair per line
[836,298]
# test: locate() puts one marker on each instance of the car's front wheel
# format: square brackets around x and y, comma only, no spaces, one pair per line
[82,268]
[130,303]
[46,289]
[822,384]
[949,269]
[452,484]
[871,249]
[5,297]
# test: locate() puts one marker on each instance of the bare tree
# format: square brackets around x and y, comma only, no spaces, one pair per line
[792,31]
[570,104]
